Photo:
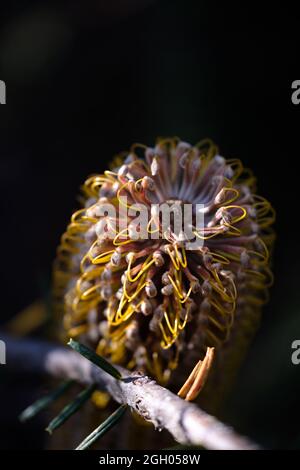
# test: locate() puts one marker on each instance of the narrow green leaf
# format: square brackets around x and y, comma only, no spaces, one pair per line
[103,428]
[71,408]
[95,358]
[44,402]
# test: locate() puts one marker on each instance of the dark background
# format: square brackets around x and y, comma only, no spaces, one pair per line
[85,79]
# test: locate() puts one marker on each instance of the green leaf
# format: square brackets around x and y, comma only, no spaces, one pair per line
[103,428]
[95,358]
[44,402]
[71,408]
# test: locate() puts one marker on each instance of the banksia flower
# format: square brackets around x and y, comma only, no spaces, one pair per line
[151,294]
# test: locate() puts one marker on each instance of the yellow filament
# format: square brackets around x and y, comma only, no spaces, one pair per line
[234,198]
[179,257]
[187,296]
[218,258]
[182,326]
[102,258]
[67,238]
[101,348]
[67,248]
[237,168]
[81,308]
[263,276]
[223,294]
[167,342]
[121,202]
[136,183]
[77,330]
[94,183]
[174,329]
[164,141]
[262,258]
[117,353]
[84,259]
[92,290]
[139,288]
[79,213]
[125,242]
[137,145]
[220,307]
[267,221]
[132,363]
[149,225]
[234,288]
[118,333]
[255,300]
[111,175]
[118,195]
[232,256]
[145,267]
[67,321]
[235,231]
[238,218]
[208,152]
[258,285]
[182,299]
[176,265]
[216,323]
[110,226]
[207,237]
[220,288]
[76,227]
[128,313]
[216,341]
[91,275]
[180,295]
[262,208]
[265,248]
[119,317]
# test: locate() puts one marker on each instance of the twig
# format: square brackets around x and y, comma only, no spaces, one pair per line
[187,423]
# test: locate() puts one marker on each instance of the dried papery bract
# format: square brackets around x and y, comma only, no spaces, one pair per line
[150,303]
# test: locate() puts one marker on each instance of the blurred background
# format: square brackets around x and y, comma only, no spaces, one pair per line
[85,79]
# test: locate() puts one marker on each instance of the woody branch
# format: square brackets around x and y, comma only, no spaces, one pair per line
[187,423]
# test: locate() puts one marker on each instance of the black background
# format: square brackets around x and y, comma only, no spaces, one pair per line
[85,79]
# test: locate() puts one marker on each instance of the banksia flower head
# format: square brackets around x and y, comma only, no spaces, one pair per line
[148,290]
